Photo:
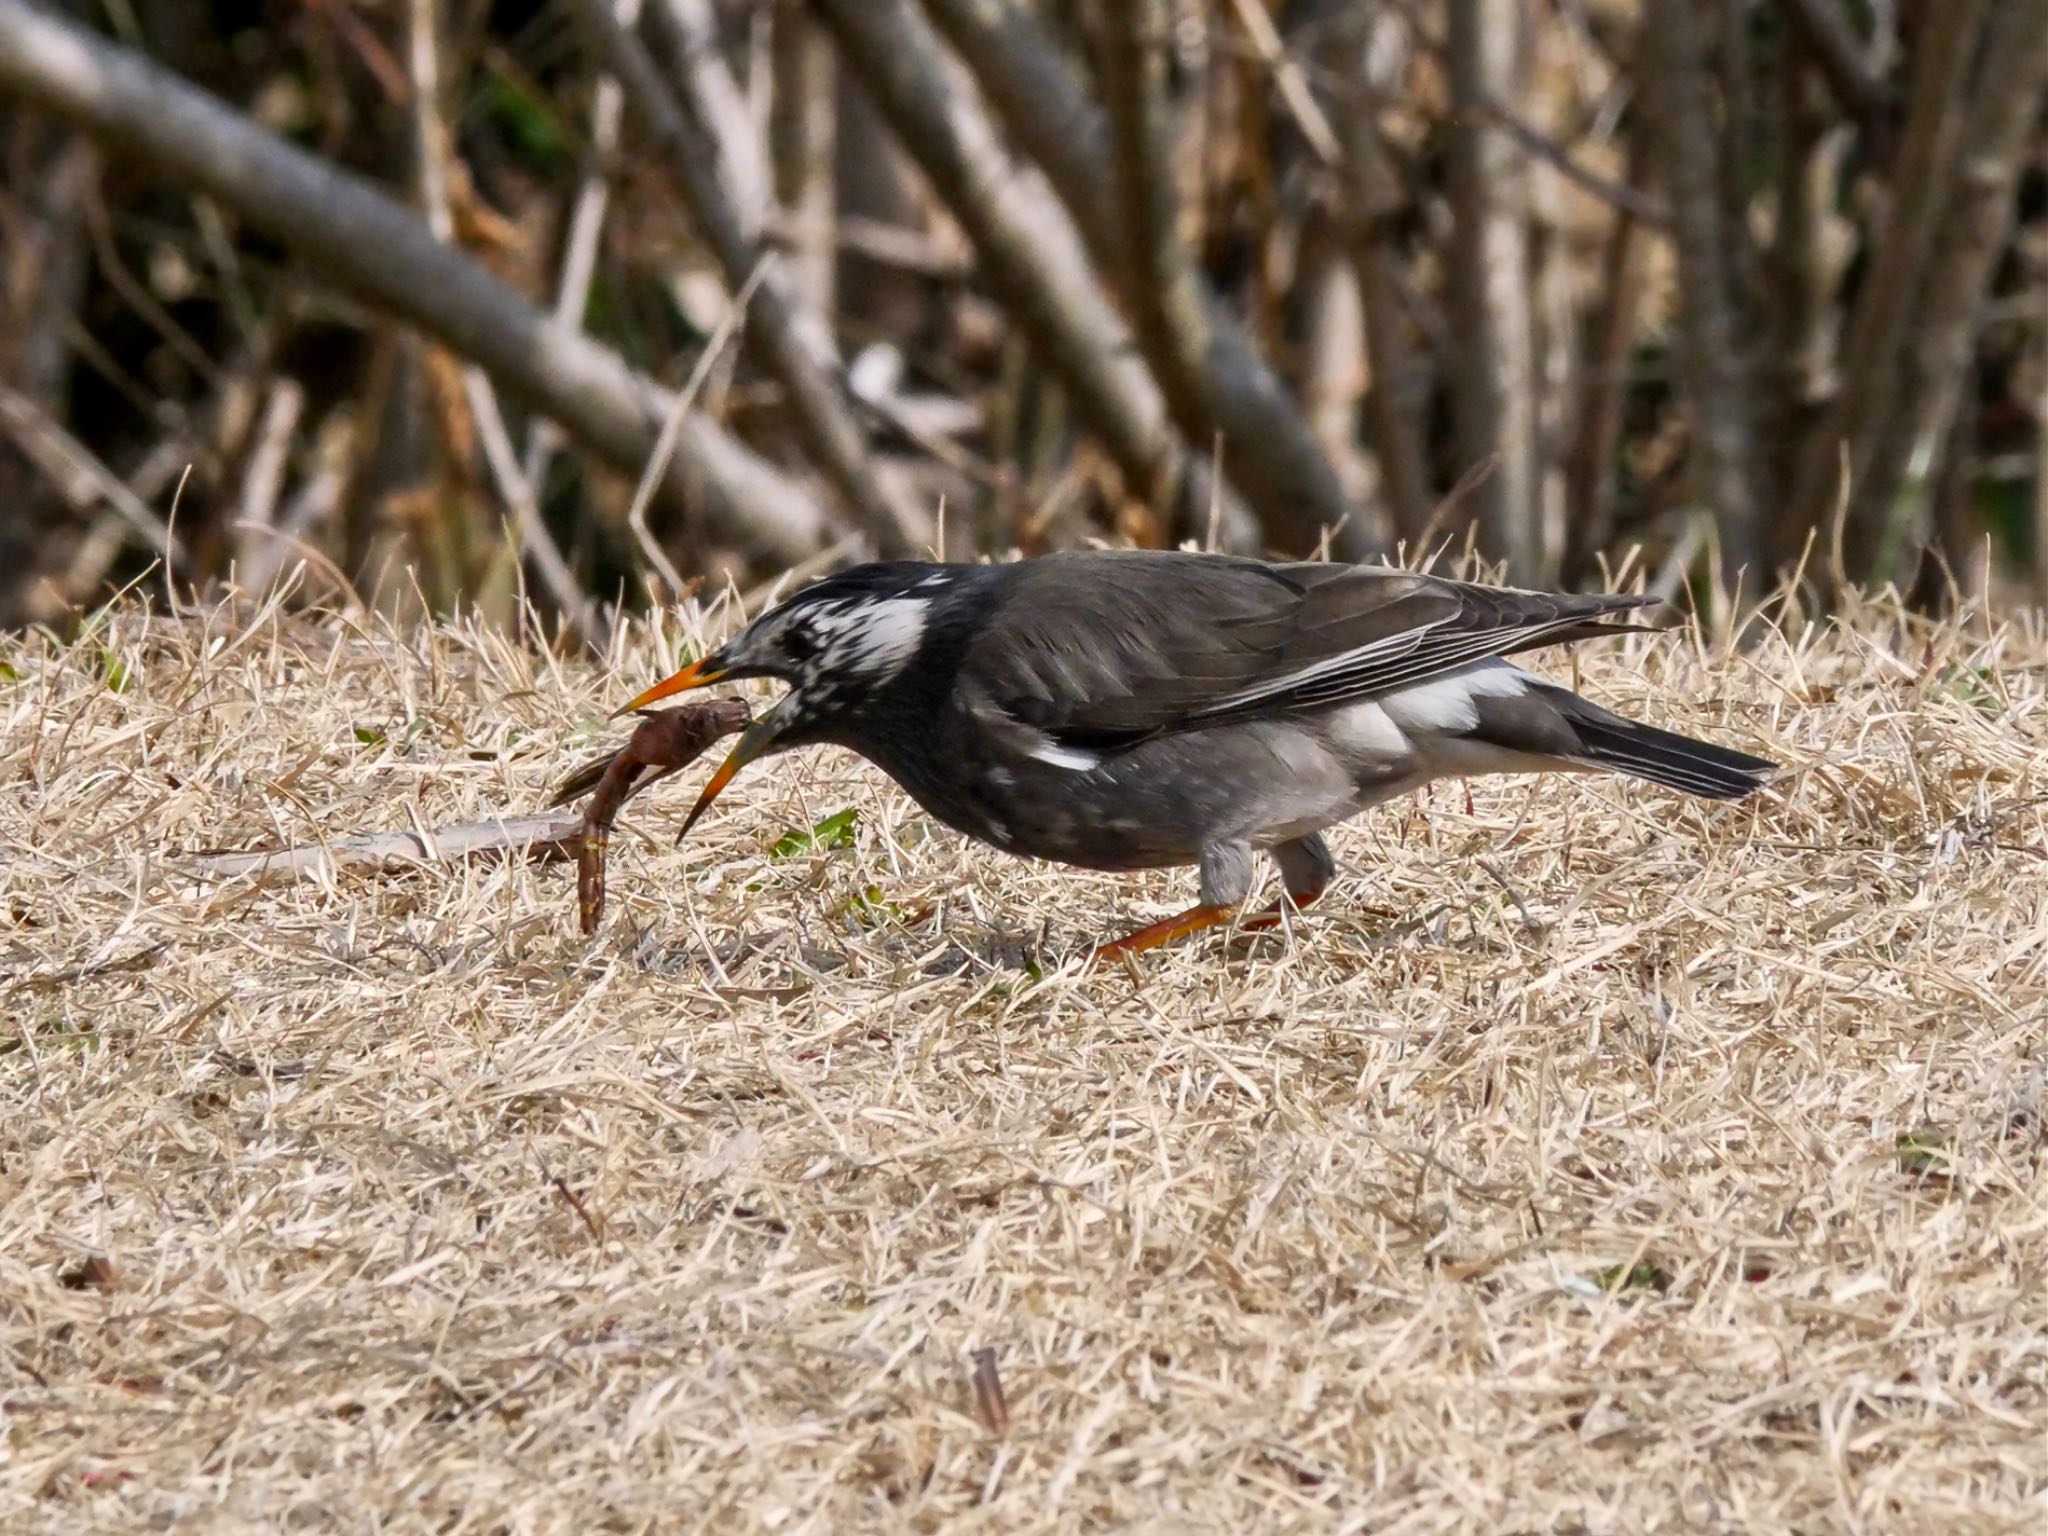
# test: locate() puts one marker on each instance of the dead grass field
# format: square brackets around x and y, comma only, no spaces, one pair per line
[1594,1160]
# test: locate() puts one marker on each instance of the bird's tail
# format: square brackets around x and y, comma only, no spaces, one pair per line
[1606,740]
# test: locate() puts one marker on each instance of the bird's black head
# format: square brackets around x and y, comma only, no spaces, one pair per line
[837,643]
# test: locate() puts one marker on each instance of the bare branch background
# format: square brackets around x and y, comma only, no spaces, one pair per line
[403,290]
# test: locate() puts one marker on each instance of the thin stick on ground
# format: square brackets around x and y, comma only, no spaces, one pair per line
[552,833]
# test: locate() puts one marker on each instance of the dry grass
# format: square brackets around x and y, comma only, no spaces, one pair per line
[1593,1160]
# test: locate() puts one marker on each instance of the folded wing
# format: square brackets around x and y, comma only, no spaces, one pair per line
[1101,649]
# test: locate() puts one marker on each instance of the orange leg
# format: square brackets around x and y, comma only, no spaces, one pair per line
[1165,931]
[1270,916]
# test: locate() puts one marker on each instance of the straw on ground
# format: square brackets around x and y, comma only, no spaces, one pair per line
[1590,1159]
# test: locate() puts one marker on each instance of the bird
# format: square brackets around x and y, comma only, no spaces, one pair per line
[1146,709]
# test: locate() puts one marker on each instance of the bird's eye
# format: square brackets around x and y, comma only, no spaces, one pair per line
[800,643]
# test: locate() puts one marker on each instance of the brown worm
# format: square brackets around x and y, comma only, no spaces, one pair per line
[665,741]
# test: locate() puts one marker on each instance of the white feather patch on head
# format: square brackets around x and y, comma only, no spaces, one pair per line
[1443,706]
[874,636]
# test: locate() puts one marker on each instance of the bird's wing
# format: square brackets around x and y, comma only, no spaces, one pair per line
[1097,649]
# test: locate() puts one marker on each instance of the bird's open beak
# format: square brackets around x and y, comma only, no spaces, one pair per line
[754,740]
[698,674]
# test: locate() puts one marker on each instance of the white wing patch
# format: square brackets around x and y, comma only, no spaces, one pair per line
[1080,761]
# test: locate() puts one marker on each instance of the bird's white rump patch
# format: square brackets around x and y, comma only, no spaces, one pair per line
[1443,706]
[1364,729]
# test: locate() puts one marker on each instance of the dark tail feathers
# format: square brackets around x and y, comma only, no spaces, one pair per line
[1663,757]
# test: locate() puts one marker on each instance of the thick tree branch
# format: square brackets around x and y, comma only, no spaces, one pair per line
[1710,358]
[1494,385]
[1799,279]
[695,61]
[1030,253]
[1823,25]
[692,158]
[1599,401]
[1170,310]
[1216,381]
[1973,230]
[1371,47]
[803,133]
[365,241]
[1883,312]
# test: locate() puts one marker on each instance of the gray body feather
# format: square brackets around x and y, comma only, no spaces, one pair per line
[1137,710]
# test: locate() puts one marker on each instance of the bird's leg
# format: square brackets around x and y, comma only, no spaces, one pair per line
[1306,870]
[1268,916]
[1165,931]
[1226,880]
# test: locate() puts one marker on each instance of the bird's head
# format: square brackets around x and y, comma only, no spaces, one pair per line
[837,643]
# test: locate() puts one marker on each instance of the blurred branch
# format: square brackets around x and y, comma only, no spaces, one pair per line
[1165,298]
[1527,135]
[1621,195]
[81,479]
[263,477]
[714,98]
[2039,562]
[1710,344]
[803,131]
[1823,25]
[692,158]
[1031,254]
[1288,79]
[1603,391]
[1798,275]
[433,150]
[714,348]
[579,250]
[1215,379]
[367,242]
[1372,48]
[1849,440]
[1973,230]
[1493,386]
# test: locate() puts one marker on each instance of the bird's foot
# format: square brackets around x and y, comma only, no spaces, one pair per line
[1270,917]
[1165,931]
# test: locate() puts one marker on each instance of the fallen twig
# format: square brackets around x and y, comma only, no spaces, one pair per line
[664,741]
[554,834]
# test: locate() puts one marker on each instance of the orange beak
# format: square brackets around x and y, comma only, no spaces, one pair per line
[695,675]
[754,740]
